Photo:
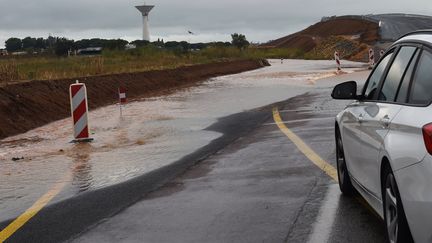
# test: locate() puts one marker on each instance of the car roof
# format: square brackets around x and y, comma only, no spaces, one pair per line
[424,36]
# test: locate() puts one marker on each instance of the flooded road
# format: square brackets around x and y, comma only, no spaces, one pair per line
[150,134]
[260,188]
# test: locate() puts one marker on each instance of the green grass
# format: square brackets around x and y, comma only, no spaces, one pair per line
[136,60]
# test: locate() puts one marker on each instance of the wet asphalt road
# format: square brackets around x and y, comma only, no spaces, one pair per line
[249,185]
[259,188]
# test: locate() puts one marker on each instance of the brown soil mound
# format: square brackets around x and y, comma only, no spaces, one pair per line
[302,42]
[24,106]
[366,30]
[355,33]
[347,48]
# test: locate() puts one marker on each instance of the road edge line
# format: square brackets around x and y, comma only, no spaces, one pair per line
[21,220]
[304,148]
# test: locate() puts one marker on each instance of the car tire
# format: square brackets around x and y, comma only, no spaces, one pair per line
[344,179]
[396,225]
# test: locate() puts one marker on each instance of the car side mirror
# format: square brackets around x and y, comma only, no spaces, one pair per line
[345,91]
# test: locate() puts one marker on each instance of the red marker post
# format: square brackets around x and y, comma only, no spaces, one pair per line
[79,111]
[338,63]
[371,58]
[122,98]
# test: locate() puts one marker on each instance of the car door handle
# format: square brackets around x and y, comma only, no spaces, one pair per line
[385,121]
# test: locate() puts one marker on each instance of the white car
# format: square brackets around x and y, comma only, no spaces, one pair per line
[384,139]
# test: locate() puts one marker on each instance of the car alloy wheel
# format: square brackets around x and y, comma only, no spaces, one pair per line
[341,165]
[391,208]
[396,224]
[342,169]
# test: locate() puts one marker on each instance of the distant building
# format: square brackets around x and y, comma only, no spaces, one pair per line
[130,46]
[19,53]
[3,52]
[90,51]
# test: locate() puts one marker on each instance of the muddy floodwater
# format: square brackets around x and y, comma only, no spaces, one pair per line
[150,133]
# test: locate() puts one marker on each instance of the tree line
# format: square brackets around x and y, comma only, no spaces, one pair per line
[62,46]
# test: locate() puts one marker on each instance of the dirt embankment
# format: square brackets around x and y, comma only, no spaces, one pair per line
[24,106]
[347,35]
[363,31]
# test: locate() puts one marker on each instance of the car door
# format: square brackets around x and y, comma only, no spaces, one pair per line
[351,135]
[352,119]
[378,115]
[404,142]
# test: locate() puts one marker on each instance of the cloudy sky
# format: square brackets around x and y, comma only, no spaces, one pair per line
[171,19]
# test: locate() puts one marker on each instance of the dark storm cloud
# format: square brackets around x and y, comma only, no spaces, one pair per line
[260,20]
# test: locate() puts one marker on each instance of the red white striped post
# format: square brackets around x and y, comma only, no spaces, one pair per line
[371,58]
[122,98]
[122,95]
[79,110]
[338,63]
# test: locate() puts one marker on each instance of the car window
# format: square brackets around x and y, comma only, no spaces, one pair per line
[404,86]
[422,85]
[395,73]
[375,78]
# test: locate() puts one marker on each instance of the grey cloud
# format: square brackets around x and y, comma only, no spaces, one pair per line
[260,20]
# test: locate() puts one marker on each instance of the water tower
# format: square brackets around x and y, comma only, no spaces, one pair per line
[145,10]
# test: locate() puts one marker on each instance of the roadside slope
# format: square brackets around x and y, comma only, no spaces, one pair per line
[24,106]
[362,30]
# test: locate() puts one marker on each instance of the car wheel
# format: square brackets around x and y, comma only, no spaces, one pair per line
[345,184]
[394,216]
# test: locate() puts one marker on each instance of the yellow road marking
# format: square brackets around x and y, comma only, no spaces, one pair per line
[32,211]
[304,148]
[314,157]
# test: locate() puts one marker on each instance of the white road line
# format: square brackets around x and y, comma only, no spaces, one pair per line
[324,223]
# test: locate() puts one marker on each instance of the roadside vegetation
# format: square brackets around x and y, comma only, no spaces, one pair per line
[145,57]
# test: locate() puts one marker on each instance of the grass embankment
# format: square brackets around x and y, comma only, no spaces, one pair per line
[136,60]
